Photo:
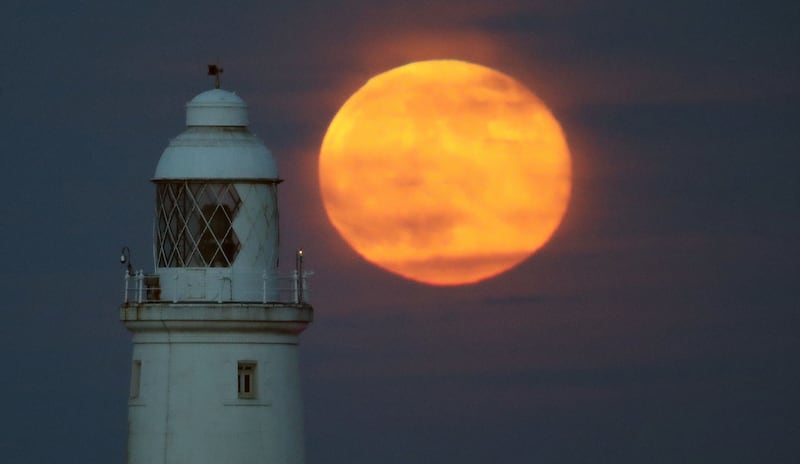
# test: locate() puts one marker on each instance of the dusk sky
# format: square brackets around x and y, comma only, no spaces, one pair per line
[659,324]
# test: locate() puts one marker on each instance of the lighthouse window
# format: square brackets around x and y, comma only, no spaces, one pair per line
[195,224]
[247,379]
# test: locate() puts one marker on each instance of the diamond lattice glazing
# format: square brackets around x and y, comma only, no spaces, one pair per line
[194,225]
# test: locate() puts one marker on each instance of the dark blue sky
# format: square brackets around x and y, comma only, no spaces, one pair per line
[659,325]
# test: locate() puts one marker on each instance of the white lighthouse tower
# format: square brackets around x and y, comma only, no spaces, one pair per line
[215,375]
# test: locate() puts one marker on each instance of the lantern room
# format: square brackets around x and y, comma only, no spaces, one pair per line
[216,217]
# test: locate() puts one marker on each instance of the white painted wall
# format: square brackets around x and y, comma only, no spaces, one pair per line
[188,410]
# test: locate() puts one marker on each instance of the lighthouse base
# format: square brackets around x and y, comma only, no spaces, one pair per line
[215,383]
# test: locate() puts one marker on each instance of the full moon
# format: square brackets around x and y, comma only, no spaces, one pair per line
[445,172]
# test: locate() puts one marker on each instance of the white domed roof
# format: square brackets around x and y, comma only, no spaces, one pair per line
[216,153]
[217,143]
[216,107]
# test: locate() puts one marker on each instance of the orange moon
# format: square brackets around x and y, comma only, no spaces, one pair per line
[445,172]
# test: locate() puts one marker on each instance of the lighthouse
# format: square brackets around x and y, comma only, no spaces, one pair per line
[214,372]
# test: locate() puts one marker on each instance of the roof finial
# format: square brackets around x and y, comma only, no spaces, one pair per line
[215,70]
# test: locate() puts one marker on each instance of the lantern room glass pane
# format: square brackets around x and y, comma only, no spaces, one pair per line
[194,224]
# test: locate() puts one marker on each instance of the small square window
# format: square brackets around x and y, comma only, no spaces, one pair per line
[136,378]
[247,380]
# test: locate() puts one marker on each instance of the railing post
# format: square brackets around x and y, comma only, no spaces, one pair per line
[127,278]
[264,287]
[296,286]
[298,277]
[139,285]
[221,288]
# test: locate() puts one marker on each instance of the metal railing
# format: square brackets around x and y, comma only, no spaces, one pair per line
[291,288]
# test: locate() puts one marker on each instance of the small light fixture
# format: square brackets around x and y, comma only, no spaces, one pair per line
[125,257]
